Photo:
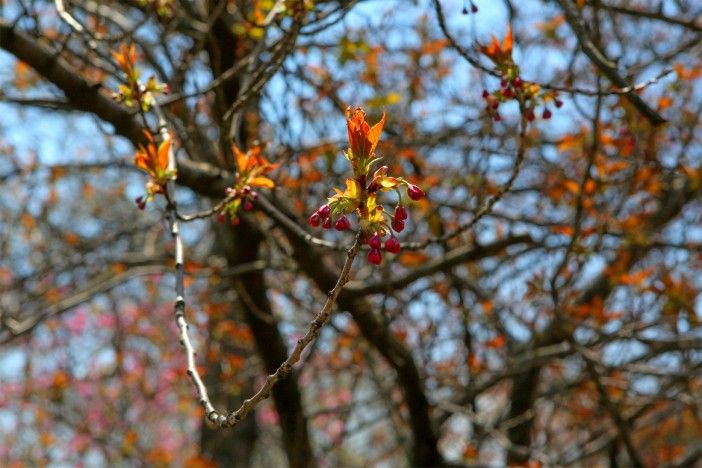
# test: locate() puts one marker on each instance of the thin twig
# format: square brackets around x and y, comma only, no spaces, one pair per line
[620,88]
[233,418]
[74,23]
[487,207]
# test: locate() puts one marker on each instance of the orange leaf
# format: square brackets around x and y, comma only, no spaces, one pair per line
[374,133]
[163,153]
[572,186]
[410,258]
[498,342]
[507,41]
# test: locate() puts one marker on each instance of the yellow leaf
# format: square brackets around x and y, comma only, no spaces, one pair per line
[389,183]
[262,182]
[352,189]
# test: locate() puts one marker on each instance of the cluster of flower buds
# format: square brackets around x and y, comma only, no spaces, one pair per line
[361,194]
[514,88]
[375,242]
[134,92]
[244,198]
[253,169]
[323,216]
[473,8]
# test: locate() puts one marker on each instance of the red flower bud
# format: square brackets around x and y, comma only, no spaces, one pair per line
[342,224]
[414,192]
[324,211]
[221,218]
[485,94]
[473,8]
[398,225]
[392,245]
[558,103]
[547,114]
[530,116]
[327,223]
[246,190]
[314,220]
[248,206]
[375,257]
[374,242]
[400,213]
[517,82]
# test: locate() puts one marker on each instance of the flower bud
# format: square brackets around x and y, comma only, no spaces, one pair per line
[374,242]
[375,257]
[324,211]
[342,224]
[398,225]
[414,192]
[400,213]
[248,206]
[392,245]
[327,223]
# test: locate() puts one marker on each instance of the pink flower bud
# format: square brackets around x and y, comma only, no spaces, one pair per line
[400,213]
[342,224]
[414,192]
[327,223]
[398,225]
[392,245]
[324,211]
[314,220]
[374,242]
[375,257]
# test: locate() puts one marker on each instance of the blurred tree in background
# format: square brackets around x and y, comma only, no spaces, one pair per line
[544,307]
